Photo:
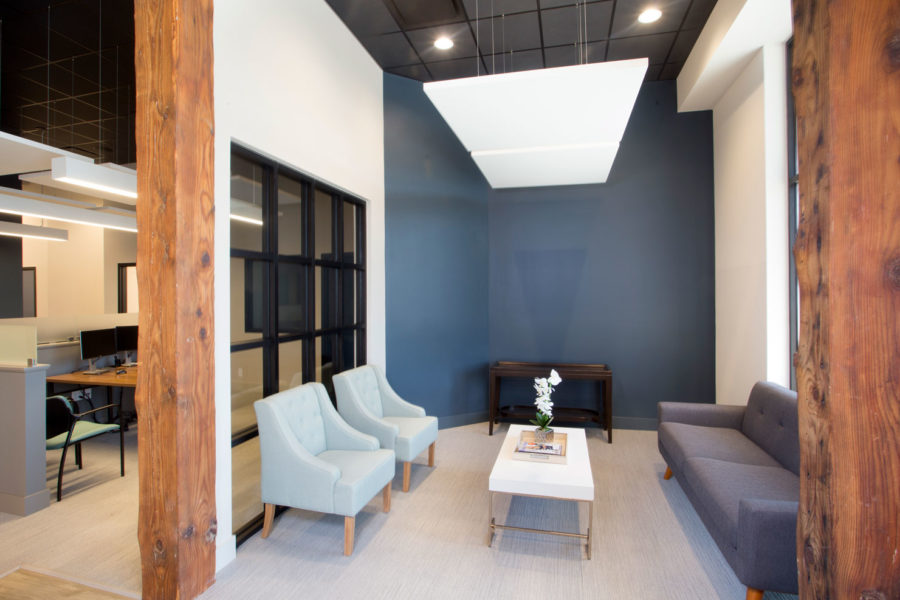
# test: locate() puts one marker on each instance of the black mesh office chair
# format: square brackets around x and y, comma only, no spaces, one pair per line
[65,428]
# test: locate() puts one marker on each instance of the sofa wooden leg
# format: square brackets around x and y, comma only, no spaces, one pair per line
[349,527]
[668,474]
[754,594]
[406,468]
[268,518]
[431,454]
[386,498]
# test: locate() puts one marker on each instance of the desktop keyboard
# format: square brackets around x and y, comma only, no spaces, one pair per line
[97,372]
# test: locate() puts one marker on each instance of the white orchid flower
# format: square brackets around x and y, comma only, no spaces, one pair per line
[555,379]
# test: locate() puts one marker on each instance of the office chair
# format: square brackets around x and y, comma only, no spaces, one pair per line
[65,428]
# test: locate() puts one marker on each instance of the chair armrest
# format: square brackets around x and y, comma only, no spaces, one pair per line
[391,403]
[289,474]
[697,413]
[358,416]
[767,543]
[78,416]
[338,434]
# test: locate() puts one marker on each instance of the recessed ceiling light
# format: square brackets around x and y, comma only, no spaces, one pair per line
[650,15]
[443,43]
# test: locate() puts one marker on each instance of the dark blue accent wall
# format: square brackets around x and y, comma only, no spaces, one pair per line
[436,253]
[620,273]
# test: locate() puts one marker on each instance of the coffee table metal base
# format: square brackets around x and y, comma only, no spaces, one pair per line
[493,525]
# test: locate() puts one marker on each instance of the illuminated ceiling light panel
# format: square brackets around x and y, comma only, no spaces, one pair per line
[33,231]
[26,204]
[107,177]
[246,212]
[565,123]
[651,15]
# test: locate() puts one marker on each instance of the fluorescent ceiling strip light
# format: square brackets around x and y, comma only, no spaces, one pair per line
[17,202]
[246,220]
[33,231]
[105,178]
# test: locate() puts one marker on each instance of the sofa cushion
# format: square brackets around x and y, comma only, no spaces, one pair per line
[683,441]
[720,486]
[414,435]
[771,422]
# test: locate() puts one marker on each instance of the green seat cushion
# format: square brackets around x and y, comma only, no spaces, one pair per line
[83,430]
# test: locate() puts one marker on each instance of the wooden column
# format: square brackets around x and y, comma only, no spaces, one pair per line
[846,80]
[175,399]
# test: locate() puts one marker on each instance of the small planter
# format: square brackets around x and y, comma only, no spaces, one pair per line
[543,436]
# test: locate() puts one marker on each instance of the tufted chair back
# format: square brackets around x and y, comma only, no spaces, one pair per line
[299,408]
[365,384]
[771,421]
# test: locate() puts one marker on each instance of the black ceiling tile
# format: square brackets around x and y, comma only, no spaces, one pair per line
[364,17]
[653,72]
[500,7]
[563,56]
[454,69]
[626,22]
[463,42]
[561,25]
[510,62]
[512,32]
[681,49]
[654,47]
[698,13]
[555,3]
[390,50]
[671,71]
[417,72]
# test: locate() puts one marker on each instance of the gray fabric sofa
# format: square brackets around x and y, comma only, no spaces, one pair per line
[739,467]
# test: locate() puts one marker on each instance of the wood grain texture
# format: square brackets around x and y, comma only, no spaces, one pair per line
[23,584]
[846,82]
[175,210]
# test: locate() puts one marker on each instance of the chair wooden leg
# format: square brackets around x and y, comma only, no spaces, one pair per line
[349,527]
[386,498]
[406,469]
[431,454]
[754,594]
[268,518]
[78,456]
[668,474]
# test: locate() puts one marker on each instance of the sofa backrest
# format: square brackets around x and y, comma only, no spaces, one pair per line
[364,384]
[770,421]
[299,408]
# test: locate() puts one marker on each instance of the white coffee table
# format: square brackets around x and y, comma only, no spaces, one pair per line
[571,481]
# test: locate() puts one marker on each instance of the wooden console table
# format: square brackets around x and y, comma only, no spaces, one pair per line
[599,373]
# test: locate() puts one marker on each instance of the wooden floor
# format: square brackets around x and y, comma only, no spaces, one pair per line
[23,584]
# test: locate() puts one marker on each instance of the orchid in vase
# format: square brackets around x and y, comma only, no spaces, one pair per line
[544,387]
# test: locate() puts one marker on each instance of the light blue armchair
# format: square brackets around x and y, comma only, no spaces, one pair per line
[368,403]
[311,459]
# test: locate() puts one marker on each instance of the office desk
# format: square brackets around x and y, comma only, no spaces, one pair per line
[80,380]
[602,415]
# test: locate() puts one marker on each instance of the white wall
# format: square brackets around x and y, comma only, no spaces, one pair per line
[291,82]
[751,208]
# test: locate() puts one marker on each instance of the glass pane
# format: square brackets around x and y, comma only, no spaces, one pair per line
[326,297]
[349,232]
[246,204]
[348,350]
[348,296]
[290,365]
[246,387]
[247,299]
[290,217]
[246,504]
[291,298]
[325,355]
[324,230]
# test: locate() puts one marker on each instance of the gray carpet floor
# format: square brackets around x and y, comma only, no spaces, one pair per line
[649,542]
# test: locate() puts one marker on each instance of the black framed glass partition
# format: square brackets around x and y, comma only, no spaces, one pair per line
[297,299]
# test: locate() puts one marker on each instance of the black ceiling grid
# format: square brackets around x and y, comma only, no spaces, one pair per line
[399,34]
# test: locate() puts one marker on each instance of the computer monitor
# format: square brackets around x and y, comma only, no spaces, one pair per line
[126,338]
[96,343]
